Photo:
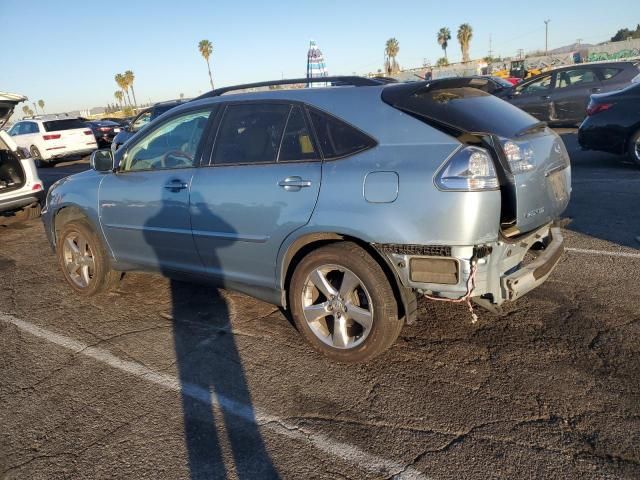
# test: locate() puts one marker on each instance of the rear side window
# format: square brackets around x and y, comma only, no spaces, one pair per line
[296,142]
[572,78]
[66,124]
[30,127]
[250,133]
[337,138]
[608,73]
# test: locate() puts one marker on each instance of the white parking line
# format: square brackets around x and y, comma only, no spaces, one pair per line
[347,452]
[603,252]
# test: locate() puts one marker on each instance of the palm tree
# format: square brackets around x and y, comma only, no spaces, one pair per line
[206,49]
[35,107]
[444,35]
[122,83]
[25,109]
[465,32]
[119,96]
[129,78]
[41,105]
[392,47]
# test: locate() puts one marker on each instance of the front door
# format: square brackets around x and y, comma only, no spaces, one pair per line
[144,207]
[261,184]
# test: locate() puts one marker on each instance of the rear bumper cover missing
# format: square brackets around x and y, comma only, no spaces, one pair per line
[501,275]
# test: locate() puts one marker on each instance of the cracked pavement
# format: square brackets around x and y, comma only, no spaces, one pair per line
[549,390]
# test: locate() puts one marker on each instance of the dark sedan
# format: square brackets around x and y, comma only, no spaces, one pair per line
[560,96]
[494,85]
[104,131]
[613,123]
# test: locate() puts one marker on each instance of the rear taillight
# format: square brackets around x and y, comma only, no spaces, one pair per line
[470,169]
[104,129]
[88,132]
[51,137]
[594,108]
[36,187]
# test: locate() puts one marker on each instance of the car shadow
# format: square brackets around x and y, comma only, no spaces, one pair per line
[222,435]
[604,196]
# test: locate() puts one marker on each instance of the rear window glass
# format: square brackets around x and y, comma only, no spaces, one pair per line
[66,124]
[464,109]
[337,138]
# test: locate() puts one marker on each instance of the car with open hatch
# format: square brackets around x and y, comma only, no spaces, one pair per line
[21,190]
[339,204]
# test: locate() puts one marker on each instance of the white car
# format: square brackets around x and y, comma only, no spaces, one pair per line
[21,190]
[48,138]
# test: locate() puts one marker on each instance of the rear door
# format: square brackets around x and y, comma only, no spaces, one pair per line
[260,184]
[534,97]
[571,93]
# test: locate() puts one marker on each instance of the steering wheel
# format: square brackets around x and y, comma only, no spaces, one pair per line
[183,159]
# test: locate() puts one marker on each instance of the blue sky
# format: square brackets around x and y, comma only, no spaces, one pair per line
[67,52]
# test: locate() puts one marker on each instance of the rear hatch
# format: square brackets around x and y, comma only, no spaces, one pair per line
[531,159]
[68,133]
[7,103]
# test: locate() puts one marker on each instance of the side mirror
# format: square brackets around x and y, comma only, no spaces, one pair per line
[102,160]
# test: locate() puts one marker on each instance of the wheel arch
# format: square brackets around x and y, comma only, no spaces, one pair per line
[65,215]
[302,246]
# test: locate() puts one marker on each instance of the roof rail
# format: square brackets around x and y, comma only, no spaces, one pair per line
[354,81]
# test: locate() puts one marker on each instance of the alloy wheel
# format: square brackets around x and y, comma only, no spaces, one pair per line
[78,259]
[337,306]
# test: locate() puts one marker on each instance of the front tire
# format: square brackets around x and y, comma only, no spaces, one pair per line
[83,260]
[343,305]
[634,148]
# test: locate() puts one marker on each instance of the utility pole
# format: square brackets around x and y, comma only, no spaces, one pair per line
[546,36]
[490,51]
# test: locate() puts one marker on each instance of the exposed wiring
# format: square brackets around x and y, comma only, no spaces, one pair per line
[471,285]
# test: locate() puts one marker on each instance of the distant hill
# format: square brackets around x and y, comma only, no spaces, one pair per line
[571,48]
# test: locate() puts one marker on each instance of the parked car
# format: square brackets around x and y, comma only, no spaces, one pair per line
[21,191]
[141,120]
[336,203]
[49,138]
[560,96]
[104,131]
[613,123]
[123,122]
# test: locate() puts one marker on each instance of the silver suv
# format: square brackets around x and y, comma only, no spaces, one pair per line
[337,203]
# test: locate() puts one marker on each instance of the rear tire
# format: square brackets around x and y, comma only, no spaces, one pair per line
[37,158]
[634,148]
[353,316]
[83,259]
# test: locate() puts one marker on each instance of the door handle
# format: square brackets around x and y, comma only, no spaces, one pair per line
[176,185]
[293,184]
[546,97]
[596,89]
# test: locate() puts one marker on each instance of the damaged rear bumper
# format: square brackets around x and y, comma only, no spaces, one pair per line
[503,270]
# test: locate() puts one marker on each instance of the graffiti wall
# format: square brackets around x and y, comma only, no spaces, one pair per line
[614,51]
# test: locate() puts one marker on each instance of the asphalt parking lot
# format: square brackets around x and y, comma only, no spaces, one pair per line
[170,380]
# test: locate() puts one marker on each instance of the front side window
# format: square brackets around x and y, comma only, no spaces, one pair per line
[572,78]
[250,133]
[337,138]
[541,85]
[171,145]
